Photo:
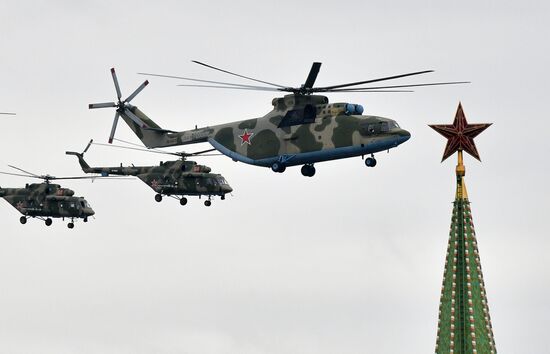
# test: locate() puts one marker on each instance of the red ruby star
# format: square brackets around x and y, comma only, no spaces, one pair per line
[460,135]
[245,138]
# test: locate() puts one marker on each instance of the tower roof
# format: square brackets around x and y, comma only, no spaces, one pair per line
[464,324]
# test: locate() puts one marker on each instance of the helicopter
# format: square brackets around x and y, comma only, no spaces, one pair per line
[46,200]
[303,128]
[175,179]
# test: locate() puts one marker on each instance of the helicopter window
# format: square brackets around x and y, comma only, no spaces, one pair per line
[82,204]
[72,205]
[304,115]
[384,127]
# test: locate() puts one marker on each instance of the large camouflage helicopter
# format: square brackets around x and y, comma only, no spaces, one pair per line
[302,129]
[176,179]
[46,200]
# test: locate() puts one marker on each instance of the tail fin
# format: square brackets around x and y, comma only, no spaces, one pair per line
[150,133]
[83,164]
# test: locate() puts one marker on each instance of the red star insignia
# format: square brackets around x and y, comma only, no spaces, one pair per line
[245,138]
[155,184]
[460,135]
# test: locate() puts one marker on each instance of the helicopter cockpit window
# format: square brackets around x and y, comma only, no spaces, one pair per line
[298,116]
[221,180]
[384,127]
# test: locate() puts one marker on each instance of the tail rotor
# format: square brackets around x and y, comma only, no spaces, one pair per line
[123,107]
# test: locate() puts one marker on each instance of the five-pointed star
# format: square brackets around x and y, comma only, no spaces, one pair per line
[245,138]
[460,135]
[155,184]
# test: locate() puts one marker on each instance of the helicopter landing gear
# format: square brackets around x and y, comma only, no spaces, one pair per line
[85,219]
[183,201]
[370,161]
[207,203]
[278,167]
[308,170]
[23,220]
[48,222]
[222,197]
[158,197]
[70,225]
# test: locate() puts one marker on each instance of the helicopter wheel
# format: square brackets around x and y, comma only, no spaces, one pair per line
[48,222]
[207,203]
[308,170]
[370,162]
[278,167]
[158,197]
[23,220]
[70,225]
[222,197]
[183,201]
[85,219]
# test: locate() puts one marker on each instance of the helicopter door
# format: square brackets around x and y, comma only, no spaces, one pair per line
[292,121]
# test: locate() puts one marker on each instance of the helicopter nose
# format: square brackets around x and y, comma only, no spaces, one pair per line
[226,188]
[403,135]
[90,212]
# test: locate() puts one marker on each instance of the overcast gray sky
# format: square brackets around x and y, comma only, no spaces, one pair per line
[350,261]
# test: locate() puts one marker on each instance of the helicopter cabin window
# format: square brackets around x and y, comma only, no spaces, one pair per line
[299,116]
[72,205]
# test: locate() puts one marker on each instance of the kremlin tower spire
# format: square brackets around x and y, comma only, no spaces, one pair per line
[464,324]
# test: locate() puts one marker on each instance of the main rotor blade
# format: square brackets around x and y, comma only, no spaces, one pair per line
[139,149]
[323,89]
[22,170]
[238,75]
[206,81]
[258,88]
[312,76]
[138,90]
[135,118]
[19,175]
[200,152]
[345,90]
[400,86]
[7,113]
[115,80]
[101,105]
[113,129]
[82,177]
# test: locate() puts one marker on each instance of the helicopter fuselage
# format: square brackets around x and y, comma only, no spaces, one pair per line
[180,177]
[301,129]
[47,200]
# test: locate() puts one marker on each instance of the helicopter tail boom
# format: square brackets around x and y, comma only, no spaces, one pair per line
[150,134]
